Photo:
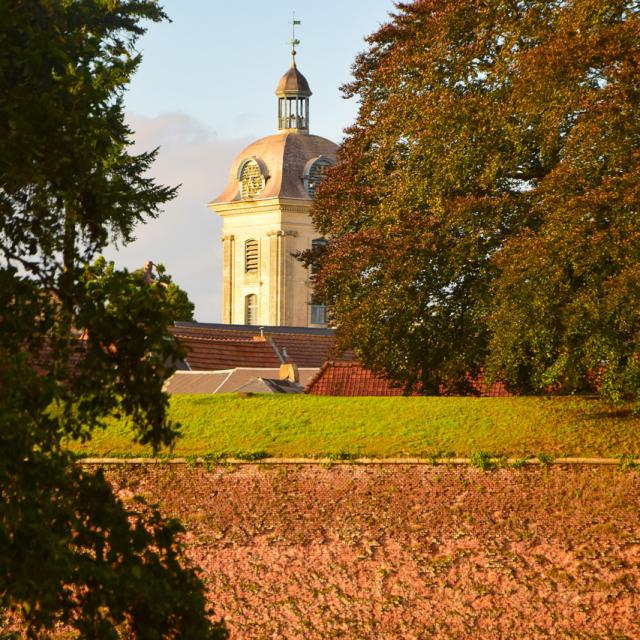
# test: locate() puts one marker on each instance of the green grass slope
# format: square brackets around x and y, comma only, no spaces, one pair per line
[312,426]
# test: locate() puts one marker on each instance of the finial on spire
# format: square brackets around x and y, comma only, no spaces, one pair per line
[294,42]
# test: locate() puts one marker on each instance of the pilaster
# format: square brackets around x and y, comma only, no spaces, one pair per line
[228,277]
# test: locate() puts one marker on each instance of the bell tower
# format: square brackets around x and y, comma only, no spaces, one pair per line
[265,212]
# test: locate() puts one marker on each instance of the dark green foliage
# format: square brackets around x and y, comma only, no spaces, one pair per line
[483,212]
[182,307]
[482,460]
[250,455]
[80,341]
[545,459]
[342,455]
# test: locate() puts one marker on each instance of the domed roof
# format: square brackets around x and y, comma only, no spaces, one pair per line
[293,83]
[282,158]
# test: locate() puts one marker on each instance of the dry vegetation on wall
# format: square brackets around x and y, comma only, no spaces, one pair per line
[409,552]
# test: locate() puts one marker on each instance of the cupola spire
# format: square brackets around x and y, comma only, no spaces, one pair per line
[294,42]
[293,93]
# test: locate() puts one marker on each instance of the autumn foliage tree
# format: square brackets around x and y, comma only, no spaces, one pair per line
[483,214]
[79,340]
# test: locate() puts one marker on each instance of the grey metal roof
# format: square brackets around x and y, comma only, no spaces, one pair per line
[232,380]
[293,83]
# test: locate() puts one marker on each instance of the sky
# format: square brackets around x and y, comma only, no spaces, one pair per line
[205,89]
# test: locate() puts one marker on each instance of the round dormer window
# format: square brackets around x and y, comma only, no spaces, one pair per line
[251,179]
[314,174]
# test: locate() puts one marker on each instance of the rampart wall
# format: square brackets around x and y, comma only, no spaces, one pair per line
[408,551]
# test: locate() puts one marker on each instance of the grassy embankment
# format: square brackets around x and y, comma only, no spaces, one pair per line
[308,426]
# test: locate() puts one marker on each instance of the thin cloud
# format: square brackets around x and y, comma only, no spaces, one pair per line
[186,236]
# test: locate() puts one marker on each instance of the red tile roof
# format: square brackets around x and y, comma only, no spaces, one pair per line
[304,347]
[210,354]
[213,347]
[352,379]
[485,390]
[306,351]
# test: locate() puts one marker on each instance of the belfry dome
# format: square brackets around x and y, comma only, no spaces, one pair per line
[293,83]
[285,165]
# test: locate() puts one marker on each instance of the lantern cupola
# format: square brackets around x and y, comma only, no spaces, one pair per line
[293,94]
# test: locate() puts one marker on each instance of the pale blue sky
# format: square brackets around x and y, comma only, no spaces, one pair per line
[206,88]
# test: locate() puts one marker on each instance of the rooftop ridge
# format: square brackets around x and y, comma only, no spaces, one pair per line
[250,328]
[215,339]
[316,378]
[219,371]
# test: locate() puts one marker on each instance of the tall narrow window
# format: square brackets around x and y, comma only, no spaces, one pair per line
[251,256]
[317,245]
[318,314]
[251,309]
[318,310]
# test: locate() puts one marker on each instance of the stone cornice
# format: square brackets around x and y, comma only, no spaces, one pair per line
[280,232]
[289,205]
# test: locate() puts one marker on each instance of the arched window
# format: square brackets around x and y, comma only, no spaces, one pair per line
[251,178]
[251,256]
[251,309]
[314,173]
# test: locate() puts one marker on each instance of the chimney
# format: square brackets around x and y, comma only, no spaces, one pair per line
[289,371]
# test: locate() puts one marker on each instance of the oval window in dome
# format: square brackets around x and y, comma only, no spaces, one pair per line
[315,173]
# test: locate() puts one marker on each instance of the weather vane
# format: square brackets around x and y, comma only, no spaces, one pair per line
[294,42]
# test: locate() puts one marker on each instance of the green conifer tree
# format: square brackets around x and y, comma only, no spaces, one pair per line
[79,341]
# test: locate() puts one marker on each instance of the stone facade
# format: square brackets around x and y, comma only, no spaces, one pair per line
[280,283]
[265,211]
